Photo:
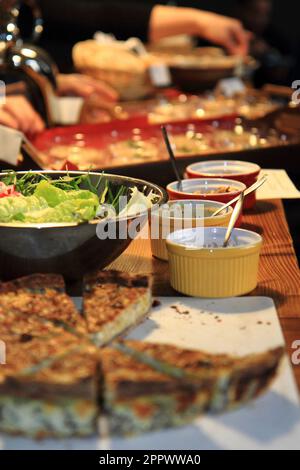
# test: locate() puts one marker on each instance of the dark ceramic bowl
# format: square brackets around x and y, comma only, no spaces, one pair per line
[193,79]
[67,249]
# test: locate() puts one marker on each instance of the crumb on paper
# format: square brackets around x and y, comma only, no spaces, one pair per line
[179,311]
[156,303]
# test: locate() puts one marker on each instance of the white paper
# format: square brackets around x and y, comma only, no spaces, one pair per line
[216,325]
[278,186]
[10,145]
[248,325]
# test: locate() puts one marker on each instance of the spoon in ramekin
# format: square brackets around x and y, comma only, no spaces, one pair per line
[234,217]
[250,190]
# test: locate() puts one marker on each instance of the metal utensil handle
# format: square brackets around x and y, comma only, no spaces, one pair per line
[234,217]
[172,156]
[248,191]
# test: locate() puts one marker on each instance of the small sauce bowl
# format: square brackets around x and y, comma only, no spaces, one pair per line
[207,189]
[201,267]
[182,214]
[245,172]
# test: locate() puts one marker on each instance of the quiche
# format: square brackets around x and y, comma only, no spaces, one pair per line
[113,302]
[148,386]
[42,296]
[20,327]
[35,283]
[56,381]
[49,388]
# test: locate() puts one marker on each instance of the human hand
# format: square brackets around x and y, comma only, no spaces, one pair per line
[223,31]
[18,113]
[226,32]
[99,98]
[85,86]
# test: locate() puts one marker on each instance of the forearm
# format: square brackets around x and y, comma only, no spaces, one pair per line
[226,32]
[170,21]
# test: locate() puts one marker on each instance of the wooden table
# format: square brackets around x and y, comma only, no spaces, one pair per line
[279,275]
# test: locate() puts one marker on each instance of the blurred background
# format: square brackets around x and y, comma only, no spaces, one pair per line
[285,15]
[274,24]
[274,21]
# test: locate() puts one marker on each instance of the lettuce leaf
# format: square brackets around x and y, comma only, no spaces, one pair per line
[14,208]
[76,210]
[138,203]
[50,205]
[55,196]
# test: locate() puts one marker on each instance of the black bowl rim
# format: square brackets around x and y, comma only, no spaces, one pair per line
[163,198]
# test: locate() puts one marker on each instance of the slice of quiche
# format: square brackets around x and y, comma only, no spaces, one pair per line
[113,302]
[49,388]
[15,326]
[152,386]
[32,297]
[37,283]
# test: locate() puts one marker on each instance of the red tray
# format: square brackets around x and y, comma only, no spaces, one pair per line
[100,136]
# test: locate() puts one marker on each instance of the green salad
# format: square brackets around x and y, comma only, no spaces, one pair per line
[36,198]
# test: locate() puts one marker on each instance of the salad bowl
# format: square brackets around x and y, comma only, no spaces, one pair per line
[73,248]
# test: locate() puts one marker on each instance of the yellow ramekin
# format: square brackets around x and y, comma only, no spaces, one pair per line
[167,225]
[213,272]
